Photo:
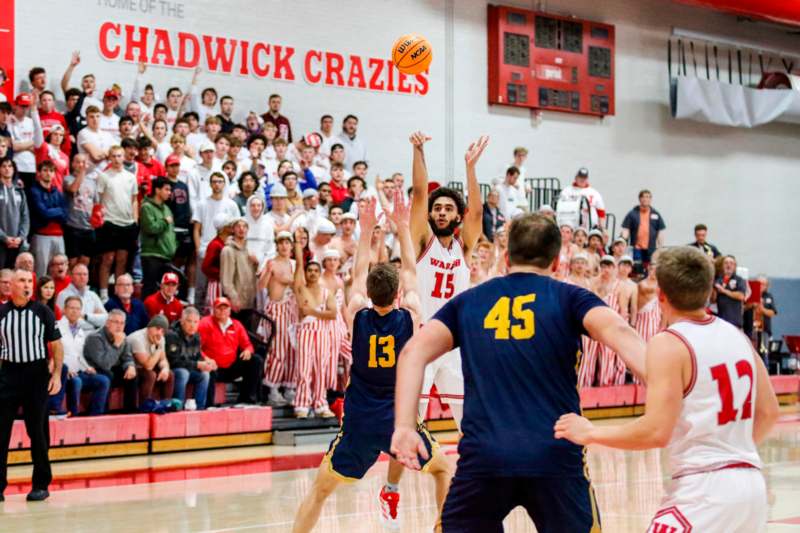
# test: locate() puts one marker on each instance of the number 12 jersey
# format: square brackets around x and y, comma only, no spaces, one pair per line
[715,428]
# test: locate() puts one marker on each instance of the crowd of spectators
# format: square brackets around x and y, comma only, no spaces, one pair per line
[168,238]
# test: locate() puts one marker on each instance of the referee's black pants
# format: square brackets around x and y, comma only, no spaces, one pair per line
[25,385]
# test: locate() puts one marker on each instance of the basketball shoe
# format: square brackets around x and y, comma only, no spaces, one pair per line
[389,502]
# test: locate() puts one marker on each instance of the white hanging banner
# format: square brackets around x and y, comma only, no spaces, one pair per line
[733,105]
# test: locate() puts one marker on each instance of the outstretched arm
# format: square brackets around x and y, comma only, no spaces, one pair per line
[408,271]
[669,368]
[420,230]
[358,289]
[76,58]
[474,215]
[609,328]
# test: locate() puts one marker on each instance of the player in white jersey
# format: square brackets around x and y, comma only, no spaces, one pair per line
[442,273]
[709,400]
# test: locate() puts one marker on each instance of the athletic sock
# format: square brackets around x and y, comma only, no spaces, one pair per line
[391,487]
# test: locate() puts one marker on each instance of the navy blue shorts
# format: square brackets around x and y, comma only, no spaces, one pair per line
[556,505]
[352,453]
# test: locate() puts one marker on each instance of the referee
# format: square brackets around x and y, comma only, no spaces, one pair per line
[27,330]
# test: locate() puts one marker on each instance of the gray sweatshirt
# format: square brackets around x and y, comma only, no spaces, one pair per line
[14,216]
[100,352]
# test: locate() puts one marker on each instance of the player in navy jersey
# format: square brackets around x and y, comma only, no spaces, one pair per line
[379,333]
[520,341]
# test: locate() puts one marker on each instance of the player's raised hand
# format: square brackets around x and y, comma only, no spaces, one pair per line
[366,213]
[407,447]
[75,59]
[418,139]
[401,213]
[574,428]
[475,150]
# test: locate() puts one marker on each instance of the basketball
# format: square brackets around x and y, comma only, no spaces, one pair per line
[412,54]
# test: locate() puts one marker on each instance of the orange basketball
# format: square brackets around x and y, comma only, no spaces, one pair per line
[412,54]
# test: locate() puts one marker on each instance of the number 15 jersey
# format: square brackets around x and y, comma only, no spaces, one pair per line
[715,428]
[442,273]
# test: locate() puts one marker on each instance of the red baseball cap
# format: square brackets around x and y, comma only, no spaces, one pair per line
[170,277]
[222,301]
[111,93]
[172,160]
[23,100]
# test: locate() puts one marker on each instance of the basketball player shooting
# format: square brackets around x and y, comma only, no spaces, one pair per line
[379,333]
[709,400]
[443,273]
[520,340]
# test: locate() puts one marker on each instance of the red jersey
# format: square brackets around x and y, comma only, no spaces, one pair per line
[338,194]
[211,262]
[156,304]
[223,346]
[149,171]
[48,120]
[59,158]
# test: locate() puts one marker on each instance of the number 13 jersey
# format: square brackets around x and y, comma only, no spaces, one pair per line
[442,273]
[715,428]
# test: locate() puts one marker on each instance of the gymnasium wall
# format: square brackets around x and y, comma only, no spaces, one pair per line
[735,180]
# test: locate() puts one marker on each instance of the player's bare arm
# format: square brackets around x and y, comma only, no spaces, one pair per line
[358,290]
[400,216]
[420,230]
[766,407]
[473,218]
[428,344]
[670,369]
[609,328]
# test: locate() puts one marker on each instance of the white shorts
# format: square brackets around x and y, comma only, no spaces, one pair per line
[446,374]
[732,500]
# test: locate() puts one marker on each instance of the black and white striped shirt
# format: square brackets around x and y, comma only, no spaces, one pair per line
[25,332]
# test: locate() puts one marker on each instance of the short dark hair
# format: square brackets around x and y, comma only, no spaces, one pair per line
[447,192]
[208,90]
[512,171]
[149,87]
[160,182]
[533,239]
[643,192]
[245,174]
[334,146]
[229,163]
[357,163]
[274,95]
[356,178]
[257,137]
[684,275]
[159,106]
[72,91]
[191,114]
[226,97]
[5,107]
[144,142]
[172,90]
[348,117]
[46,165]
[129,143]
[288,174]
[323,117]
[73,298]
[699,227]
[126,118]
[239,127]
[35,71]
[382,283]
[47,92]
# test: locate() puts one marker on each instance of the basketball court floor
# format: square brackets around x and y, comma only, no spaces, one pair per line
[259,489]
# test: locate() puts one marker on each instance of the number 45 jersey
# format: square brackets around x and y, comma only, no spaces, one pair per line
[715,428]
[520,341]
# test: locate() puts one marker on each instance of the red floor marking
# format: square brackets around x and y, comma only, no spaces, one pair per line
[795,520]
[174,473]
